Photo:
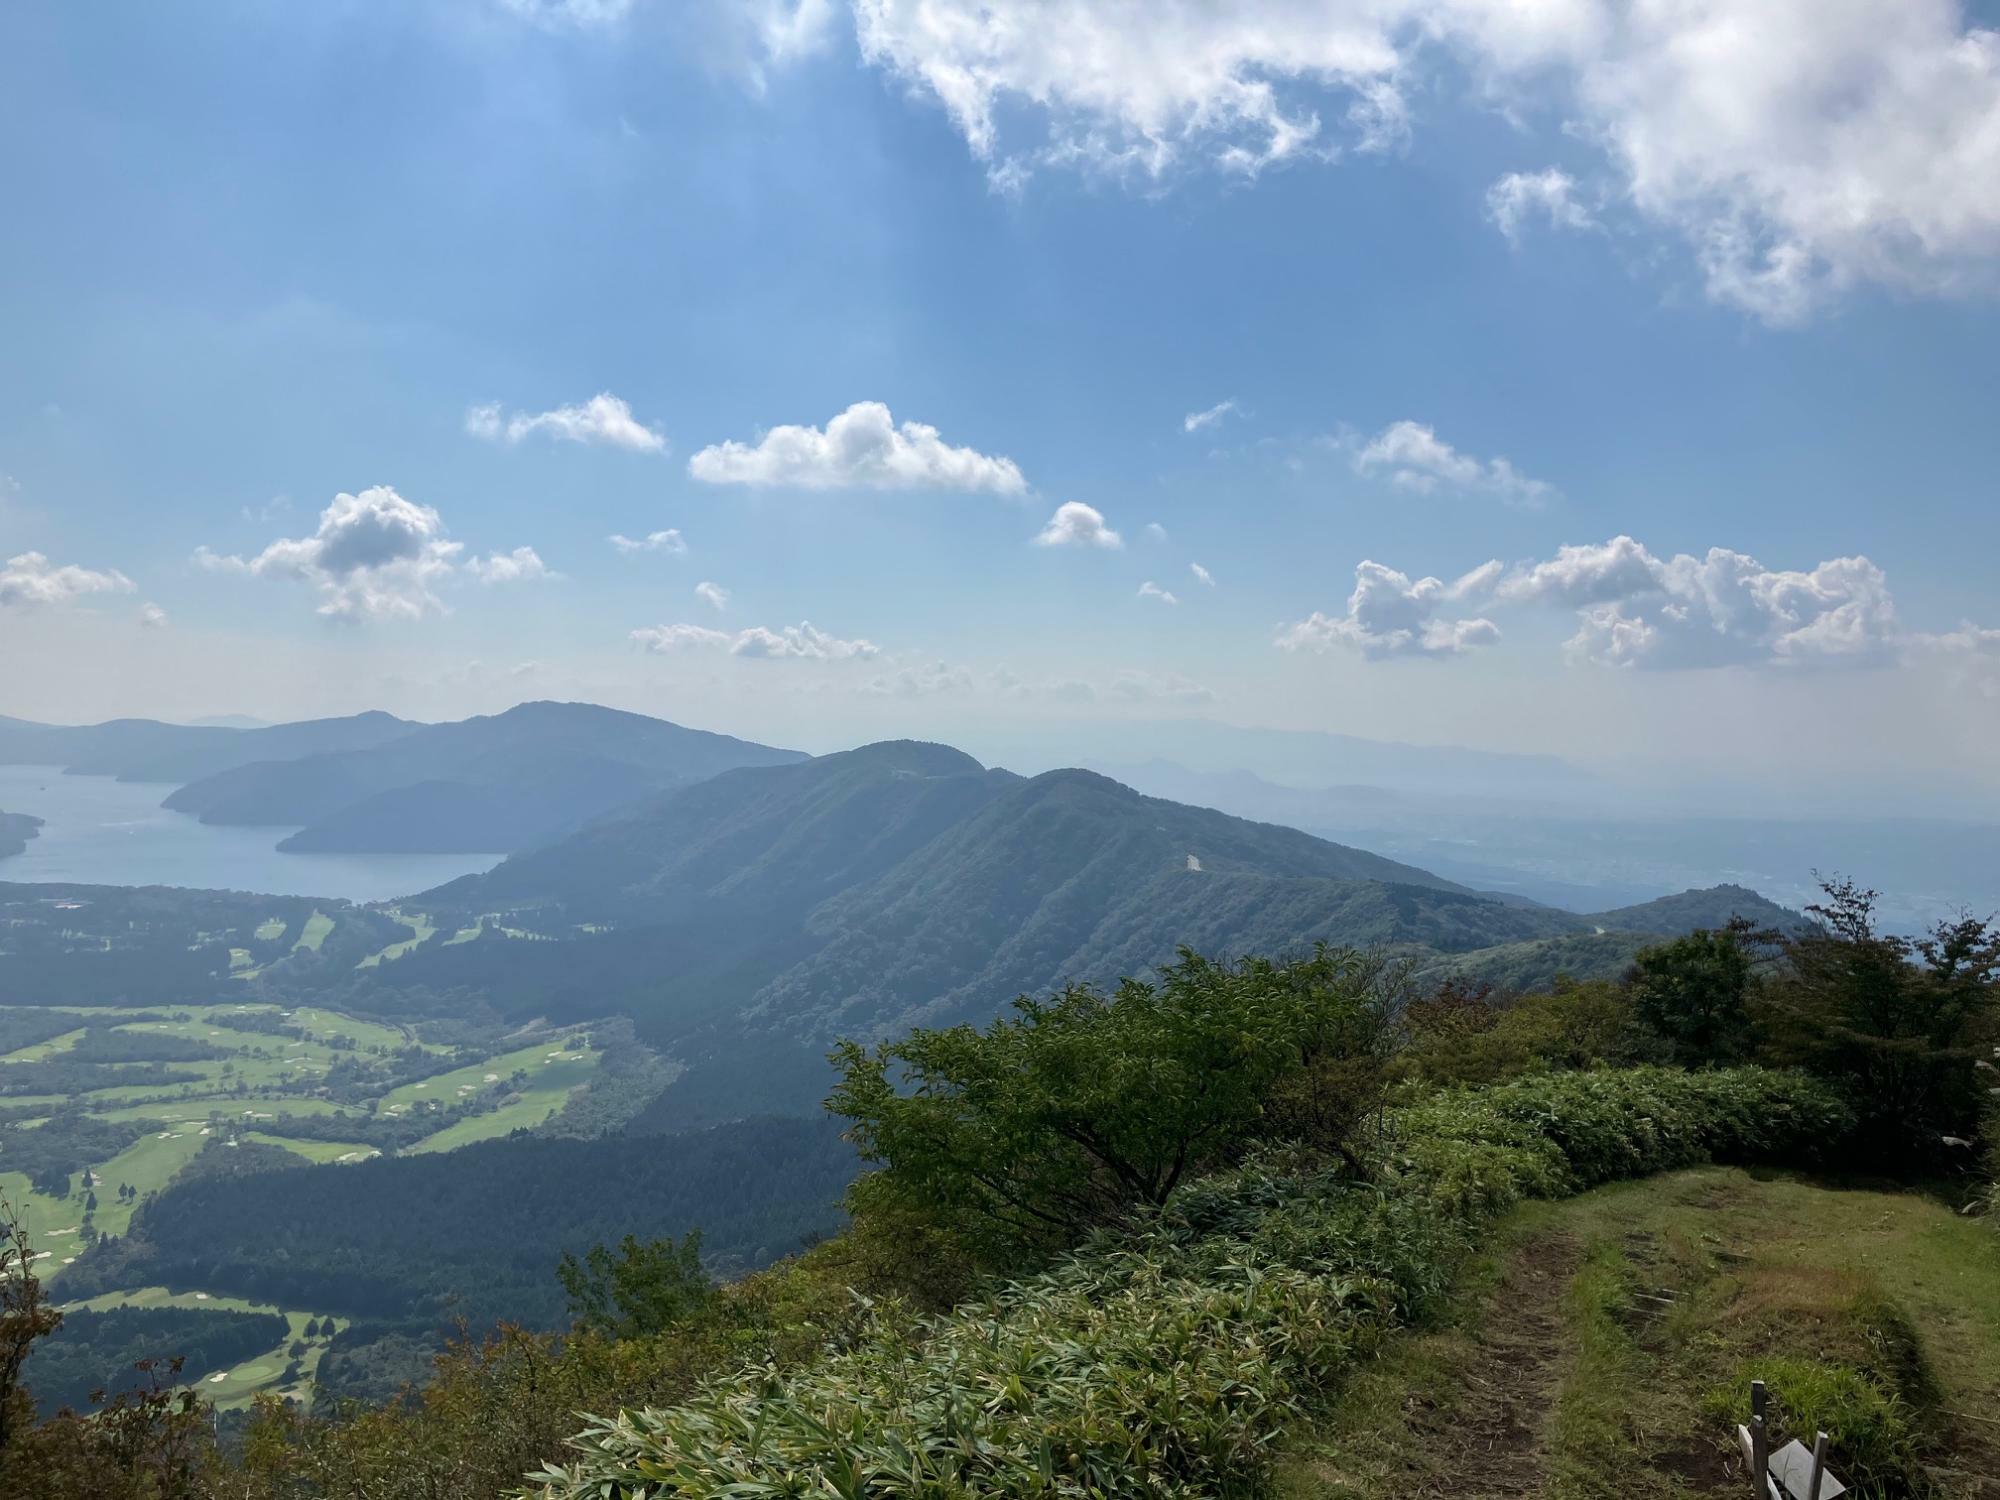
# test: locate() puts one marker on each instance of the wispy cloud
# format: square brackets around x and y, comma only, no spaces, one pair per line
[604,421]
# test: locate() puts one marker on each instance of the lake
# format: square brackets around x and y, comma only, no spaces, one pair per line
[97,831]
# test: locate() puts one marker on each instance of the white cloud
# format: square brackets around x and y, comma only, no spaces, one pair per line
[603,420]
[1416,458]
[1077,525]
[522,565]
[1550,194]
[1155,532]
[1390,615]
[662,639]
[1202,575]
[1797,148]
[151,616]
[920,680]
[1723,608]
[1151,590]
[375,555]
[1194,421]
[862,448]
[31,579]
[712,593]
[669,541]
[801,642]
[1168,687]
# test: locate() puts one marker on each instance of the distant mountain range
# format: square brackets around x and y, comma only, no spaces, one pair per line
[486,785]
[751,919]
[374,783]
[149,750]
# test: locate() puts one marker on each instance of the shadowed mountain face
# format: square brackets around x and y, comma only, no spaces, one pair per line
[148,750]
[752,919]
[484,785]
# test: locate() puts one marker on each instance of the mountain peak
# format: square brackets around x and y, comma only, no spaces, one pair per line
[914,757]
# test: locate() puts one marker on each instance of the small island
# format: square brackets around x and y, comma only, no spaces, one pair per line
[15,831]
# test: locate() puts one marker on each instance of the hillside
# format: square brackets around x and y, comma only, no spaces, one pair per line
[148,750]
[15,831]
[483,785]
[749,920]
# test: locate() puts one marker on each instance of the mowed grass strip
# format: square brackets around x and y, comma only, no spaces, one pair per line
[343,1153]
[421,929]
[50,1048]
[1875,1315]
[318,927]
[242,1383]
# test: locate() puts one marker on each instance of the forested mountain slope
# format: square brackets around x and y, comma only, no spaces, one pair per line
[489,784]
[749,920]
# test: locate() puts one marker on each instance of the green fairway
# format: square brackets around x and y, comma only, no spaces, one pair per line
[239,1384]
[460,1083]
[342,1152]
[318,925]
[421,929]
[548,1091]
[40,1050]
[270,929]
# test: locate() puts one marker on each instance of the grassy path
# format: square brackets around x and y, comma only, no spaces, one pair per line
[1599,1348]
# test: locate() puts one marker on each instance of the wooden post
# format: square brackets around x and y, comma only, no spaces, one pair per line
[1818,1467]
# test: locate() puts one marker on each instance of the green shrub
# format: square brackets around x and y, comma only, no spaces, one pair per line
[1168,1358]
[1873,1441]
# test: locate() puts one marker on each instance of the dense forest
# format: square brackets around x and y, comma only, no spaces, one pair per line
[421,1241]
[99,1352]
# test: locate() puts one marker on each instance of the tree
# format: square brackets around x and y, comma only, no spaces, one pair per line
[1083,1107]
[644,1289]
[1901,1023]
[1694,993]
[26,1317]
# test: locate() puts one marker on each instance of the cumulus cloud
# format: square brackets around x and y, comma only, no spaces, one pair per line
[1202,575]
[151,616]
[31,579]
[1077,525]
[1194,421]
[1155,532]
[801,642]
[522,565]
[1797,149]
[1549,194]
[1151,590]
[712,593]
[1389,614]
[603,420]
[1723,608]
[669,541]
[862,448]
[1416,458]
[375,555]
[1636,609]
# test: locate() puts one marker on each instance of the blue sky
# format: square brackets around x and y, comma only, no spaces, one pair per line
[1472,293]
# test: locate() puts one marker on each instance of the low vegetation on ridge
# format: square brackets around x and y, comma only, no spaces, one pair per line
[1128,1243]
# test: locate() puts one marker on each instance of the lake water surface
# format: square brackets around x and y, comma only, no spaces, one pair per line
[98,831]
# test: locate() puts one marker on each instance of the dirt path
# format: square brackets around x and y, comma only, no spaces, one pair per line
[1463,1413]
[1489,1437]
